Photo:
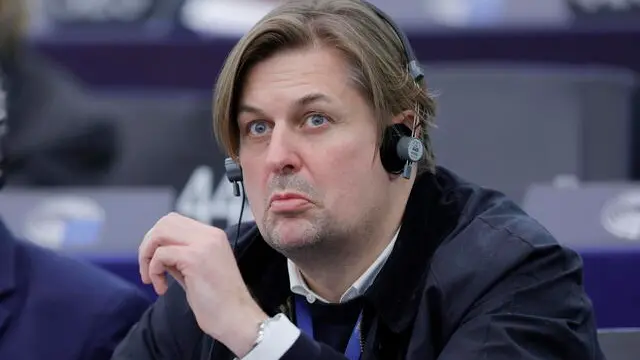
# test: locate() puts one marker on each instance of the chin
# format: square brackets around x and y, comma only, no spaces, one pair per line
[292,233]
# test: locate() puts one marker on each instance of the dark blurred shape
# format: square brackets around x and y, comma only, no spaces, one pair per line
[163,136]
[635,134]
[539,121]
[3,125]
[166,139]
[56,307]
[59,134]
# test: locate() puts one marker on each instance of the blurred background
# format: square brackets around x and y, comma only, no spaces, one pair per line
[538,99]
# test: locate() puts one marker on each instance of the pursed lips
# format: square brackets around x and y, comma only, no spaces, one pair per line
[287,202]
[287,196]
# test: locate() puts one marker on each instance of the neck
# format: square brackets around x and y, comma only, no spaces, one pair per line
[331,280]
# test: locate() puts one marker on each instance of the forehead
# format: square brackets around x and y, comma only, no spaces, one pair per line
[291,74]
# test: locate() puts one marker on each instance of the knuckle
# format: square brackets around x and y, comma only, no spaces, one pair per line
[192,258]
[161,223]
[162,220]
[219,240]
[217,233]
[167,219]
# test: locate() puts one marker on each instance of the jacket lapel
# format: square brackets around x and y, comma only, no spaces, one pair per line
[396,292]
[396,295]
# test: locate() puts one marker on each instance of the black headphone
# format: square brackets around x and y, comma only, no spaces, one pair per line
[400,147]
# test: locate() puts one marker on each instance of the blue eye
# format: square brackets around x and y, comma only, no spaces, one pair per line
[258,127]
[316,120]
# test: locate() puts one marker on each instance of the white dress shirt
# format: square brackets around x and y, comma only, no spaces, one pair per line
[282,333]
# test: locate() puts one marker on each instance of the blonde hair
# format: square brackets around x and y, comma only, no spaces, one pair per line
[13,22]
[374,51]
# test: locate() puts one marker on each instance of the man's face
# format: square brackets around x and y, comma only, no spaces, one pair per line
[308,141]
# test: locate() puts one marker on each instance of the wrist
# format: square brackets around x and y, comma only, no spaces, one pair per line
[244,334]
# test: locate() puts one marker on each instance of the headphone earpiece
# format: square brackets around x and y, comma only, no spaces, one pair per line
[234,174]
[399,150]
[388,154]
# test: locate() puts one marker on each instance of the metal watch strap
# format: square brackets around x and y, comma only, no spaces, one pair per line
[262,328]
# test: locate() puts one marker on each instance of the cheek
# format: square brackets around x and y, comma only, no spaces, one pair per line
[353,158]
[348,176]
[255,186]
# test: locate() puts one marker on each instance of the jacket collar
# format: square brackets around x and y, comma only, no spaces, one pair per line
[429,216]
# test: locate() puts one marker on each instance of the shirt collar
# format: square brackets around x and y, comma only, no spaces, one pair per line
[299,286]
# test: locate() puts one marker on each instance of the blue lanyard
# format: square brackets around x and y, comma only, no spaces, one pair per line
[305,323]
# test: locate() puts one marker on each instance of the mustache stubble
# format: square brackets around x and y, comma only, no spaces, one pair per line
[294,183]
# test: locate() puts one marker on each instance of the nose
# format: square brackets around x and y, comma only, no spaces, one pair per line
[282,157]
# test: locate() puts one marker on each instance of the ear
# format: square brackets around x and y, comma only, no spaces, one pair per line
[407,118]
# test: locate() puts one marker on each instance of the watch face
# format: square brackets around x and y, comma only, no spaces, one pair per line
[621,216]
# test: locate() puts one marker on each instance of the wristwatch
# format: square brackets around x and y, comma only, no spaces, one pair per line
[262,329]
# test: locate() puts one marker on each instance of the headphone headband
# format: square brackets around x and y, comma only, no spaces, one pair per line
[413,65]
[401,148]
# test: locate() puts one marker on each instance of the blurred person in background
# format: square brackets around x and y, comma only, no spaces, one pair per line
[52,306]
[59,134]
[353,252]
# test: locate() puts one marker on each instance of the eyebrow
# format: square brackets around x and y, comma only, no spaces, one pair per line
[313,97]
[303,101]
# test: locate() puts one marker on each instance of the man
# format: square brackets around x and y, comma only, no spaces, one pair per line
[354,253]
[54,307]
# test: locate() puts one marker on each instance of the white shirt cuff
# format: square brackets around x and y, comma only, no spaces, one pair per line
[278,338]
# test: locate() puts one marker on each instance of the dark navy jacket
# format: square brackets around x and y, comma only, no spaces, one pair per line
[57,308]
[471,277]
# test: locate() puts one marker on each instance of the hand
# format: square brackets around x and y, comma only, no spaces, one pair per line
[200,258]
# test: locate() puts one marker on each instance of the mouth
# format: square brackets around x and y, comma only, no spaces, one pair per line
[288,203]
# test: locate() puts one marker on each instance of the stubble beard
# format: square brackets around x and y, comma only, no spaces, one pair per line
[319,244]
